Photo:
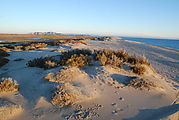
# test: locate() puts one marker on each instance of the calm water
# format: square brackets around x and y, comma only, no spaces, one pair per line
[169,43]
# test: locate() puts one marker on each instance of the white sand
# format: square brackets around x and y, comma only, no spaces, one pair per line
[113,100]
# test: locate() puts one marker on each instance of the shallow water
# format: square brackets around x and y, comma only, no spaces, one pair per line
[169,43]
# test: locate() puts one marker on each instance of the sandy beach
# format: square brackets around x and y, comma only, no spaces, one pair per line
[100,91]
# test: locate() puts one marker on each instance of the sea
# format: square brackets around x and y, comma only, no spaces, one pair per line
[168,43]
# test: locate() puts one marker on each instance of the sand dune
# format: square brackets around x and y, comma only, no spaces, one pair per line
[93,92]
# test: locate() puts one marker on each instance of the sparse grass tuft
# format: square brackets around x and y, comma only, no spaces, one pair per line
[8,85]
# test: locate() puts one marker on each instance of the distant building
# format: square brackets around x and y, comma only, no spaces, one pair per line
[45,33]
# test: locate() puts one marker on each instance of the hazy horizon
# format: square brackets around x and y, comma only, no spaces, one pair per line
[139,18]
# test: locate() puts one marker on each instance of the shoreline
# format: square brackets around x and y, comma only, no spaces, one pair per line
[154,43]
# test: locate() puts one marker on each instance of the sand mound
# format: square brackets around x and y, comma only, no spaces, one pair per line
[9,110]
[42,103]
[75,86]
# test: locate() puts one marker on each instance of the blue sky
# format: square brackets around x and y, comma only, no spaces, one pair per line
[158,18]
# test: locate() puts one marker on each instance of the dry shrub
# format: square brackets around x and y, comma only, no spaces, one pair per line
[76,58]
[62,98]
[33,46]
[58,50]
[107,38]
[122,54]
[133,60]
[82,57]
[3,54]
[46,62]
[5,49]
[65,42]
[141,84]
[8,85]
[73,41]
[143,60]
[3,61]
[108,57]
[138,69]
[18,47]
[39,45]
[26,48]
[77,61]
[138,60]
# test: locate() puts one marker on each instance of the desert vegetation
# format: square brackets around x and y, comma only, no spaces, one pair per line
[3,60]
[139,69]
[22,46]
[8,85]
[106,38]
[141,84]
[46,62]
[82,57]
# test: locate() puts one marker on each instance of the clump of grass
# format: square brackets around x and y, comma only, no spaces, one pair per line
[139,69]
[46,62]
[141,84]
[8,85]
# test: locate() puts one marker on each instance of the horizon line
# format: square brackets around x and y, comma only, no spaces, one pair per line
[109,34]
